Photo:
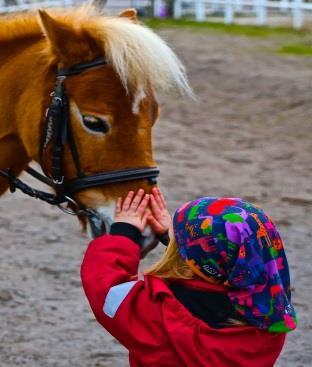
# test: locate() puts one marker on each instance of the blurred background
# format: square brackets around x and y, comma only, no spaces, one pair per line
[248,135]
[261,12]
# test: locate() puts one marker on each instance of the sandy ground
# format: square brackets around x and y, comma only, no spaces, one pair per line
[249,135]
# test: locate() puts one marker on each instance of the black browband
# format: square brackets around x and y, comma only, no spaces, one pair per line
[58,132]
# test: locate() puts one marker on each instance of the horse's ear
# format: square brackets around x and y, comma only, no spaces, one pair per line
[131,14]
[66,44]
[56,33]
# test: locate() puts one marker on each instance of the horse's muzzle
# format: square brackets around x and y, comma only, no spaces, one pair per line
[99,224]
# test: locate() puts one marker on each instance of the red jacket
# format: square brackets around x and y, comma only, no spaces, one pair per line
[153,325]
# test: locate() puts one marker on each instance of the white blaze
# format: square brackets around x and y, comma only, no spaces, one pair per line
[139,96]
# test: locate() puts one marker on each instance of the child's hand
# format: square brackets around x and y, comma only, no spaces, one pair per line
[133,209]
[160,219]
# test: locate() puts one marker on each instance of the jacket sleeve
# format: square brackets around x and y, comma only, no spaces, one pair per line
[123,306]
[109,261]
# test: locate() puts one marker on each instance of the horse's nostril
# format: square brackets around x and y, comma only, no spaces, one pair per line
[97,226]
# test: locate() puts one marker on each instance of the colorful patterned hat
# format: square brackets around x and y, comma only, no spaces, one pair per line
[234,241]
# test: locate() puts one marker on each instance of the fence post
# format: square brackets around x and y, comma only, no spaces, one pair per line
[177,9]
[136,4]
[238,5]
[297,14]
[228,12]
[157,8]
[261,12]
[200,11]
[2,6]
[284,5]
[70,3]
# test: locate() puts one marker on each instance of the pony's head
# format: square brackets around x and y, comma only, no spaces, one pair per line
[112,107]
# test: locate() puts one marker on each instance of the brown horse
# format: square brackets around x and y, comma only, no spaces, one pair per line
[112,107]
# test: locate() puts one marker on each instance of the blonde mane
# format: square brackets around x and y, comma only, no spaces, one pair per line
[139,56]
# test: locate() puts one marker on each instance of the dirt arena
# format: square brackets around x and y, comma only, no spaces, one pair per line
[248,135]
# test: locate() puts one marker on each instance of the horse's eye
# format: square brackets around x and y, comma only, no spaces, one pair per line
[95,123]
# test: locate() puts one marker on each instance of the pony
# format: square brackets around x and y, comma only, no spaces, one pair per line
[112,107]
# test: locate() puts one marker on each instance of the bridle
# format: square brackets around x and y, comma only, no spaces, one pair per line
[58,132]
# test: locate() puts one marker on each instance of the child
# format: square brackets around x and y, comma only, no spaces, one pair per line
[220,295]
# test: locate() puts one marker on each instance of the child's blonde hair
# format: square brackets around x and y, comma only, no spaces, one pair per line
[171,265]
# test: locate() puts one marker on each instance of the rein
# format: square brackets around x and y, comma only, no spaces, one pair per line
[58,132]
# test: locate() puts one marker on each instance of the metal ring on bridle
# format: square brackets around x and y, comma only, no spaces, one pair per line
[77,208]
[76,211]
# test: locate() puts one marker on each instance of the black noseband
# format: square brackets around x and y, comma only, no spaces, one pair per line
[57,132]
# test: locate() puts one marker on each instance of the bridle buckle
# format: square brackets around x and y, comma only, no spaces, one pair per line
[58,182]
[60,79]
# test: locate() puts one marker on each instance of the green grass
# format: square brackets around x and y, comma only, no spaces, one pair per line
[288,40]
[300,49]
[241,30]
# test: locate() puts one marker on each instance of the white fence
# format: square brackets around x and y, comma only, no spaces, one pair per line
[260,10]
[8,6]
[253,11]
[124,4]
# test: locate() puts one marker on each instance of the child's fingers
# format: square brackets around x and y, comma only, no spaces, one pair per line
[118,205]
[144,218]
[152,221]
[137,200]
[162,199]
[156,193]
[127,201]
[155,207]
[143,204]
[155,225]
